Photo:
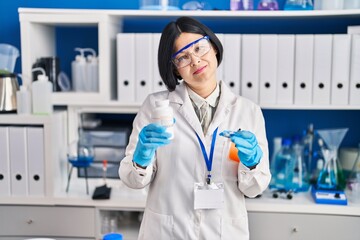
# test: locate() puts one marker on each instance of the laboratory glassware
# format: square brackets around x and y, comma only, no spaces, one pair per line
[298,5]
[8,56]
[300,177]
[353,181]
[282,167]
[241,5]
[331,177]
[268,5]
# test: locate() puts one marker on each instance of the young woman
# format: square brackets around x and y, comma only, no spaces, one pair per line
[195,190]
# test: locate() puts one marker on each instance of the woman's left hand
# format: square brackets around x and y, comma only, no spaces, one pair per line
[249,150]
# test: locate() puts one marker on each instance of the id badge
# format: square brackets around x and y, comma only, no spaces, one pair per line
[208,196]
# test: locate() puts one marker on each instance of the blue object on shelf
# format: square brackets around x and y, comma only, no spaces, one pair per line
[80,162]
[113,236]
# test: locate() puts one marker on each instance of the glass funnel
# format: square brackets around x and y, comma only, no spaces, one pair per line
[331,177]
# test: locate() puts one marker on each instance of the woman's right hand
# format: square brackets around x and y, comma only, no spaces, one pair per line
[151,137]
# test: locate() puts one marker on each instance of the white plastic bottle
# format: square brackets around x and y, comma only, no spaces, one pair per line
[92,71]
[163,114]
[41,94]
[23,101]
[78,72]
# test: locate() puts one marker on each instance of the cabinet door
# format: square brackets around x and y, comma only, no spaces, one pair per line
[47,221]
[285,226]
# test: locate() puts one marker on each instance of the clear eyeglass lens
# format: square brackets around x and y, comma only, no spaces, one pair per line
[199,49]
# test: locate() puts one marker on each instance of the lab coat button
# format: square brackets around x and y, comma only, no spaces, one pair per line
[243,172]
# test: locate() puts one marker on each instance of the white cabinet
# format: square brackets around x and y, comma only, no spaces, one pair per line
[49,221]
[54,149]
[286,226]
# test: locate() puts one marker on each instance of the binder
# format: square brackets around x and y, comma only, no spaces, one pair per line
[268,69]
[36,161]
[285,70]
[125,43]
[18,161]
[322,69]
[232,61]
[340,69]
[250,63]
[4,162]
[355,71]
[144,65]
[158,84]
[220,69]
[304,52]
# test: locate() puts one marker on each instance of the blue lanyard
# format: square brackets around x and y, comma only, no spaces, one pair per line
[208,160]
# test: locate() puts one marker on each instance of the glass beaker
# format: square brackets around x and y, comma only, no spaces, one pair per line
[298,5]
[8,56]
[332,176]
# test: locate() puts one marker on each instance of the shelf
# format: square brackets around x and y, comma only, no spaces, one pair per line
[225,13]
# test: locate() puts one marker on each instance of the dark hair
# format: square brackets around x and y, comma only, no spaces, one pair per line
[172,31]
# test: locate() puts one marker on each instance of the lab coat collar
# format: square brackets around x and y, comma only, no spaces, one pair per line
[181,97]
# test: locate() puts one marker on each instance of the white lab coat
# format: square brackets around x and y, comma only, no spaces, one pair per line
[169,212]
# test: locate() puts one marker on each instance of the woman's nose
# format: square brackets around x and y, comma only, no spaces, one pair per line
[195,60]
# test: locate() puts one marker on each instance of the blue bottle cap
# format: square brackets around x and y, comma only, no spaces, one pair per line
[113,236]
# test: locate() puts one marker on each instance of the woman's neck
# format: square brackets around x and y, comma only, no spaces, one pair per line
[204,91]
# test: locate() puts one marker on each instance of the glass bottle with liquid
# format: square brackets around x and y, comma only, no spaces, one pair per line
[297,5]
[282,167]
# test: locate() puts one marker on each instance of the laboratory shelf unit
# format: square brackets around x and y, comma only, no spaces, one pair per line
[293,219]
[38,39]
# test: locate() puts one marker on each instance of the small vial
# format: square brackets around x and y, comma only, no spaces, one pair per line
[163,114]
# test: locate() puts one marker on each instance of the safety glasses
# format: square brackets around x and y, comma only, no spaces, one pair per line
[198,48]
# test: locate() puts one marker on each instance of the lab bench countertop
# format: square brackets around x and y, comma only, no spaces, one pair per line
[124,198]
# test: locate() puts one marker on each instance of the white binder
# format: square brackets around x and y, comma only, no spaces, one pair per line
[144,65]
[355,71]
[125,43]
[36,161]
[285,70]
[18,161]
[158,84]
[268,69]
[4,162]
[250,62]
[304,52]
[322,69]
[340,69]
[231,61]
[220,69]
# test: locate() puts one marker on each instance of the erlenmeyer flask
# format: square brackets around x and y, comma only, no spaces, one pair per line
[300,177]
[332,176]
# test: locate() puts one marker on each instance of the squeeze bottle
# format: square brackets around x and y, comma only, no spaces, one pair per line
[23,101]
[92,71]
[78,71]
[41,94]
[164,115]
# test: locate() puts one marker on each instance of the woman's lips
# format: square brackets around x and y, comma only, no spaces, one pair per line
[199,70]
